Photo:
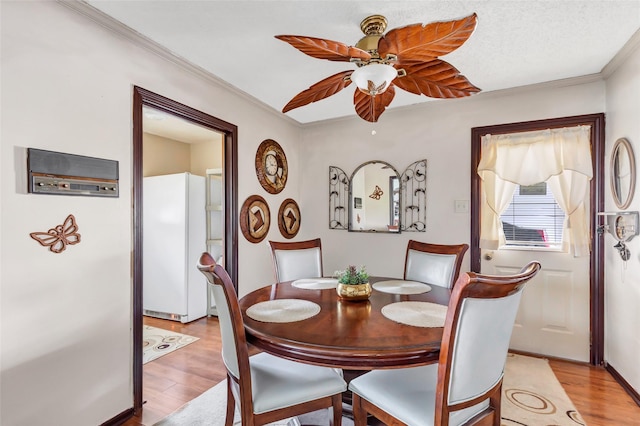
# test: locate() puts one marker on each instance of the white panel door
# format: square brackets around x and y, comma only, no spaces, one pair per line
[553,318]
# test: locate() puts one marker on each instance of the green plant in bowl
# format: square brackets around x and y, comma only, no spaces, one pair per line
[353,275]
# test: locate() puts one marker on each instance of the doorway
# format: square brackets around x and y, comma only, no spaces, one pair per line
[144,98]
[594,302]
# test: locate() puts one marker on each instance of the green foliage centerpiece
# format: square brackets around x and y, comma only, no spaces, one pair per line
[353,284]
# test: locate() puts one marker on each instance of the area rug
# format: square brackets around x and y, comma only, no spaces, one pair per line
[209,409]
[157,342]
[532,396]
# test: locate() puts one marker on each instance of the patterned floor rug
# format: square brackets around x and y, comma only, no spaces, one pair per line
[157,342]
[532,396]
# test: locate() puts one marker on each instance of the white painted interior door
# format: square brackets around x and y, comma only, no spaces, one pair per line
[524,172]
[553,318]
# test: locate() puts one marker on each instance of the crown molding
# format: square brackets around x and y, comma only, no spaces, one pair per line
[146,43]
[623,54]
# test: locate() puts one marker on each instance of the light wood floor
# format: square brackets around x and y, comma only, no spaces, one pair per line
[176,378]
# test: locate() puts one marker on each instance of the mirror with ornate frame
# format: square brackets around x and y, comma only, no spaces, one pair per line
[374,202]
[623,173]
[357,203]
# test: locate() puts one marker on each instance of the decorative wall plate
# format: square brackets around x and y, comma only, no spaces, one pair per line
[255,218]
[289,218]
[271,166]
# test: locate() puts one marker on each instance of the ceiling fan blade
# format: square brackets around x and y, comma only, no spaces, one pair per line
[322,89]
[325,49]
[436,79]
[419,42]
[370,108]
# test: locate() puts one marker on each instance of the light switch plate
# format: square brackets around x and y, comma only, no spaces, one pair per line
[461,206]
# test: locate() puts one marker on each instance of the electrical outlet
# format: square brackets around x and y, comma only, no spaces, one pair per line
[461,206]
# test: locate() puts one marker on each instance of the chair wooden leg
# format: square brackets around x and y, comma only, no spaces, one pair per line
[495,401]
[336,419]
[231,405]
[359,413]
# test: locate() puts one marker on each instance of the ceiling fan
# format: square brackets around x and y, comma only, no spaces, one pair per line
[405,57]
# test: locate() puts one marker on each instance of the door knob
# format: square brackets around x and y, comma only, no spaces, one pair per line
[488,255]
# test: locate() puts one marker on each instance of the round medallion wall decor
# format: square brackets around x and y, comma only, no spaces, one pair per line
[289,218]
[255,218]
[271,166]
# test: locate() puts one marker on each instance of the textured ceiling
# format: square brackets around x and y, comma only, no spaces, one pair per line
[516,43]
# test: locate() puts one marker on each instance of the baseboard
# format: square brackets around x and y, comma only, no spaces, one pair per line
[625,385]
[120,418]
[551,358]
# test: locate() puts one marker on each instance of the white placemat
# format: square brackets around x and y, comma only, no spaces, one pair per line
[315,283]
[418,314]
[283,310]
[401,287]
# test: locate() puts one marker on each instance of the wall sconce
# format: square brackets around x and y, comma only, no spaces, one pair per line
[623,226]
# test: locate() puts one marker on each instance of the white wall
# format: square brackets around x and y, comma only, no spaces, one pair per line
[439,132]
[622,281]
[67,85]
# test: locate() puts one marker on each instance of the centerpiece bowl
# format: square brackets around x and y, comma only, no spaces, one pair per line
[353,284]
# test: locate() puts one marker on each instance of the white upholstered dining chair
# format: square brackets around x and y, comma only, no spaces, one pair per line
[293,260]
[265,388]
[436,264]
[465,386]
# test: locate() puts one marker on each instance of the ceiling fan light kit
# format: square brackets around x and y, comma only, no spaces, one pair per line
[406,57]
[374,78]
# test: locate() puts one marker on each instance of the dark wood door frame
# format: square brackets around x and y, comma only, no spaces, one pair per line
[230,157]
[596,265]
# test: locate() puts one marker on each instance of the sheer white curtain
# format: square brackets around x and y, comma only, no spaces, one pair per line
[560,157]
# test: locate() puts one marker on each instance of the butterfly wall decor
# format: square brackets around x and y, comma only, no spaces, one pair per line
[377,193]
[59,237]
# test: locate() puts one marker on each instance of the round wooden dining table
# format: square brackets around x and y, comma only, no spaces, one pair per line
[344,334]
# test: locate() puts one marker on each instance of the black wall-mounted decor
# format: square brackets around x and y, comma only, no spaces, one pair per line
[57,173]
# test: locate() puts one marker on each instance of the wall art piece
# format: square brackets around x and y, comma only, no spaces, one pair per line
[406,198]
[623,173]
[338,198]
[271,166]
[59,237]
[255,218]
[413,193]
[289,218]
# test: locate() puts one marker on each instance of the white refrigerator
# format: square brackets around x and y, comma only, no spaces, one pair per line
[174,236]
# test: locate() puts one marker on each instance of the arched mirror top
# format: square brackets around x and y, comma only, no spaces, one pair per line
[374,201]
[375,165]
[623,173]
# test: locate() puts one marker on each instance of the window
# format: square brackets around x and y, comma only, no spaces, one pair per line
[533,218]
